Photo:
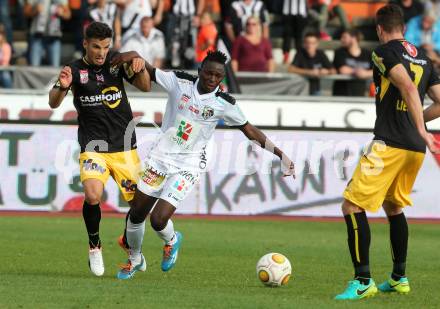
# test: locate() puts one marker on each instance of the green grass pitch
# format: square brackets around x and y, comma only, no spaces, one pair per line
[43,264]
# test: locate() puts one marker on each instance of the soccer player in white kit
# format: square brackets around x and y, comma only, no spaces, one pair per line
[195,105]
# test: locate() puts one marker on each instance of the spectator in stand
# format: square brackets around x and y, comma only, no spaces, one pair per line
[434,6]
[410,8]
[149,42]
[294,23]
[79,12]
[251,51]
[5,58]
[213,8]
[206,37]
[321,10]
[45,32]
[354,62]
[107,13]
[424,31]
[5,19]
[183,21]
[132,11]
[312,63]
[238,15]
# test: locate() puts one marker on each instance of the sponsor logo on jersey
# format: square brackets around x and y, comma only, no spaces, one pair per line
[203,158]
[153,177]
[378,62]
[83,76]
[128,185]
[179,185]
[110,96]
[414,60]
[89,166]
[114,70]
[192,178]
[208,112]
[411,49]
[183,101]
[184,130]
[100,78]
[194,109]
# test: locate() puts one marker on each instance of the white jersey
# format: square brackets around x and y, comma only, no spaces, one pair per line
[190,120]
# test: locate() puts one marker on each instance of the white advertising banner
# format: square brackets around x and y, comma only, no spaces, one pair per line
[278,111]
[40,171]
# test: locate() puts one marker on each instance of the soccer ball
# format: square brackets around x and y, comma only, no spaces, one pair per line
[274,269]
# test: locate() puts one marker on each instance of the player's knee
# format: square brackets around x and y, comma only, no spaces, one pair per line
[392,209]
[158,221]
[137,215]
[92,198]
[349,208]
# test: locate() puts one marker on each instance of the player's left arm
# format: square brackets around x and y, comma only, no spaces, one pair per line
[256,135]
[136,66]
[433,111]
[400,78]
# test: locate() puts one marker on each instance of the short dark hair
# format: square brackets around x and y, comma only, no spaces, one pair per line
[215,56]
[311,35]
[98,30]
[390,18]
[355,33]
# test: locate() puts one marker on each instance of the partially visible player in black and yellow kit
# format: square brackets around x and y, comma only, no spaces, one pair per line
[386,172]
[104,117]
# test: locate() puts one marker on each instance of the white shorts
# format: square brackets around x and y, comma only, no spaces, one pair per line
[165,182]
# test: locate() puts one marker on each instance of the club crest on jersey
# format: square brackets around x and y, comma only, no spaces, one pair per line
[83,76]
[183,101]
[411,49]
[100,78]
[208,112]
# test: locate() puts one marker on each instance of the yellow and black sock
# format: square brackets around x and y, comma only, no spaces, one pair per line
[399,244]
[359,238]
[92,218]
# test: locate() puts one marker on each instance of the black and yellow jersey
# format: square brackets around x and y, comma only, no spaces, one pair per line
[104,111]
[394,124]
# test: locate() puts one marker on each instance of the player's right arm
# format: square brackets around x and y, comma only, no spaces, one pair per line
[59,91]
[433,111]
[400,78]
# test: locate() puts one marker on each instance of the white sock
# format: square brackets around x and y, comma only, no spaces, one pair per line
[167,234]
[135,236]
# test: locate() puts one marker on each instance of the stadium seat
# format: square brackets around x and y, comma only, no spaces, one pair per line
[138,114]
[158,116]
[70,116]
[4,113]
[35,114]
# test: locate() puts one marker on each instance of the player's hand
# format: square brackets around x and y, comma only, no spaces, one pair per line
[65,77]
[288,167]
[138,65]
[432,143]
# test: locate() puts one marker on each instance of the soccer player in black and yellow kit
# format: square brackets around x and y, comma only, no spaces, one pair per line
[386,172]
[104,117]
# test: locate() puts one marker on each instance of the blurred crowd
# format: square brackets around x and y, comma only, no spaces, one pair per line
[179,33]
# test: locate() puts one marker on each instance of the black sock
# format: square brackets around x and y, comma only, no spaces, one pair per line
[124,238]
[399,244]
[359,238]
[92,217]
